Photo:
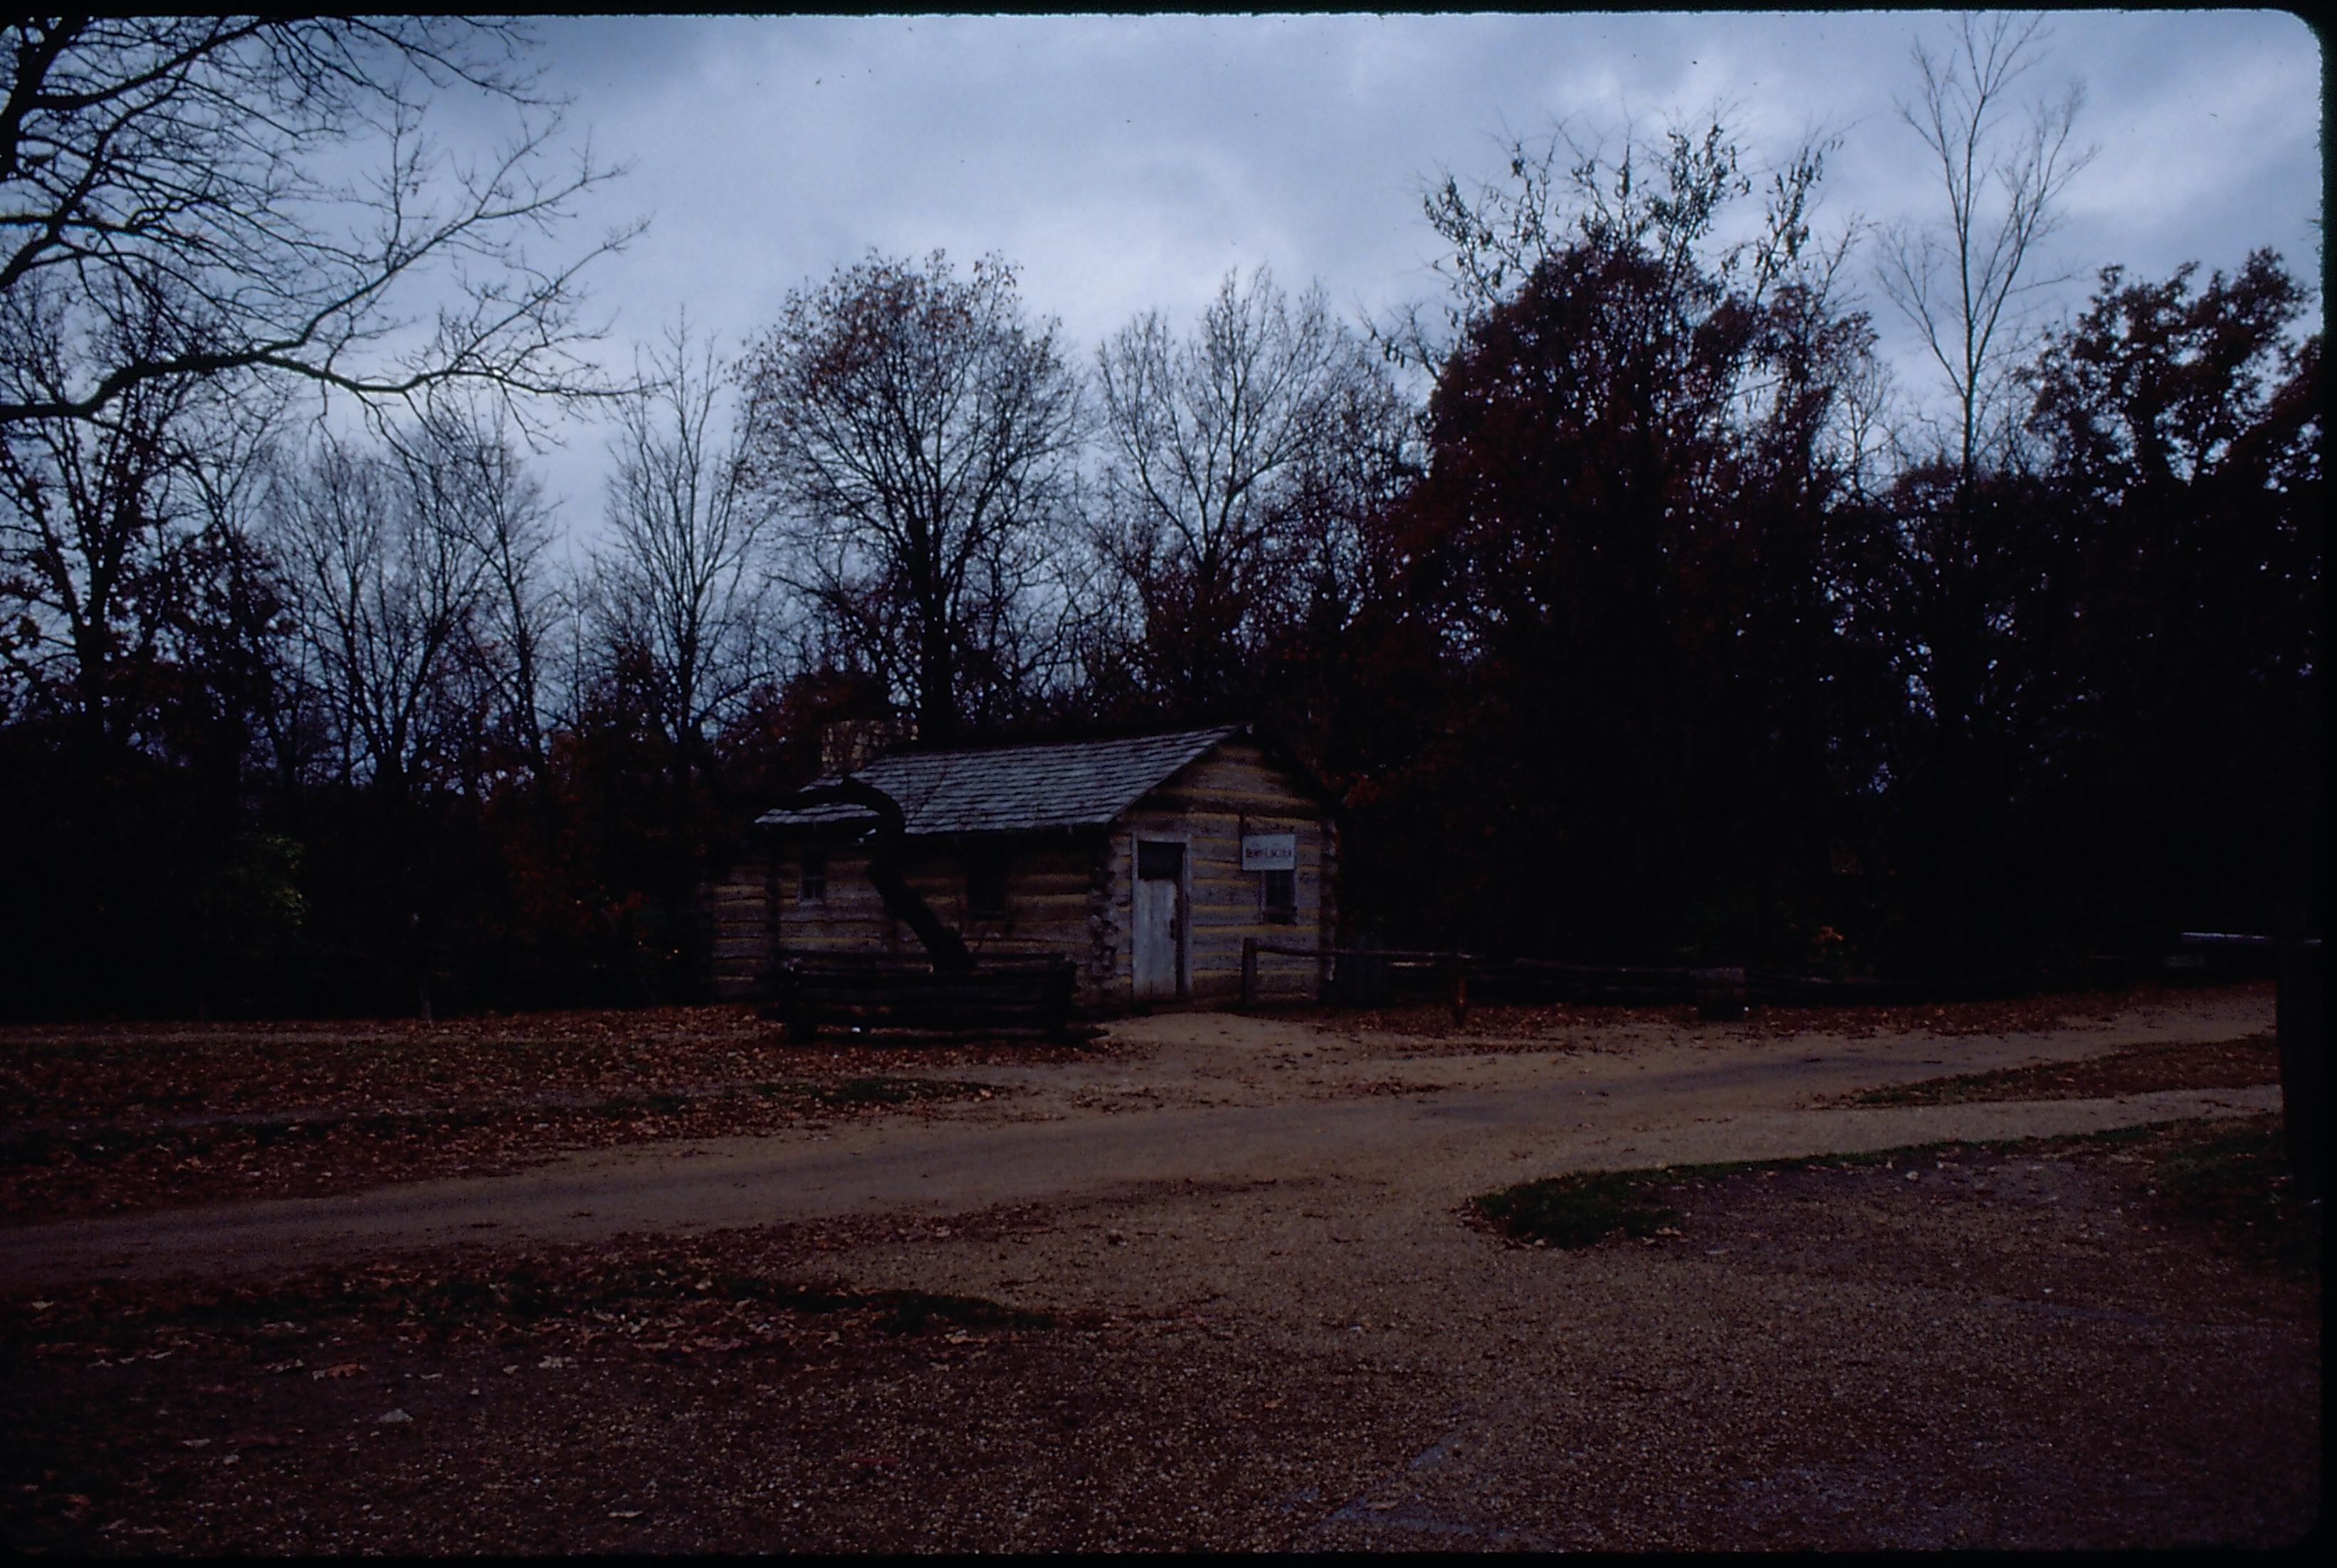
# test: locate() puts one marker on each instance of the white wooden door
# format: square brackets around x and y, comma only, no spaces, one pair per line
[1159,956]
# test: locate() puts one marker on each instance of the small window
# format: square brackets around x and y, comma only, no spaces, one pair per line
[985,880]
[1278,894]
[813,888]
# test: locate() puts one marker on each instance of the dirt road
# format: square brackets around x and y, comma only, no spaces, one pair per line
[1271,1327]
[1211,1098]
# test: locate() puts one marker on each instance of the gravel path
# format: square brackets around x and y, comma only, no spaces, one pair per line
[1282,1334]
[1213,1098]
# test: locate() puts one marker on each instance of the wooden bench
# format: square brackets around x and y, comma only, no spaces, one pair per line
[879,991]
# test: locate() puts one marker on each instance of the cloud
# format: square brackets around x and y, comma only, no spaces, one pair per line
[1126,162]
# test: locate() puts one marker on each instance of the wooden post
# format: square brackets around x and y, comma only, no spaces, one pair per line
[2296,1035]
[2297,1030]
[1460,971]
[1719,993]
[1249,971]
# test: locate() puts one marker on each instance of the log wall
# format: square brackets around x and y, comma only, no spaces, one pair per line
[759,914]
[738,911]
[1208,807]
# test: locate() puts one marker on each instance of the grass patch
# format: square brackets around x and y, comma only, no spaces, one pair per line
[898,1311]
[2226,1177]
[874,1090]
[2248,1159]
[662,1103]
[884,1091]
[1577,1210]
[2234,1180]
[1900,1154]
[908,1311]
[1961,1087]
[506,1303]
[2232,1064]
[1584,1207]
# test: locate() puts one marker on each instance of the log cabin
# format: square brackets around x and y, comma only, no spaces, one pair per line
[1146,859]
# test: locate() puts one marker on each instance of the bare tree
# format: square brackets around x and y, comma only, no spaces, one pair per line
[241,629]
[386,587]
[466,453]
[109,529]
[915,433]
[2003,166]
[682,585]
[1217,443]
[1966,581]
[192,169]
[94,514]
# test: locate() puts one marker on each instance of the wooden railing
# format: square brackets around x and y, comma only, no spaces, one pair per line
[1716,991]
[1029,991]
[1719,993]
[1453,966]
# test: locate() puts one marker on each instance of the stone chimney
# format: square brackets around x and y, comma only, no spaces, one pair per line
[849,745]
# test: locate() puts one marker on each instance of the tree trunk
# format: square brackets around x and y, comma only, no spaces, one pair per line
[937,684]
[944,946]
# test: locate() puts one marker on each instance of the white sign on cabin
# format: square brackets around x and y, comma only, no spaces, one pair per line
[1269,852]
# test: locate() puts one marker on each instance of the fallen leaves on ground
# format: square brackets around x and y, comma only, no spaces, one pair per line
[632,1294]
[1395,1086]
[148,1391]
[2223,1065]
[1539,1024]
[1803,1302]
[102,1119]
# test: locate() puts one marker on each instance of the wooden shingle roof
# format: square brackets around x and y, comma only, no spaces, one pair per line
[999,789]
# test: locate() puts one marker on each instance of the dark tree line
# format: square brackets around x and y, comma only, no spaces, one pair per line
[1661,625]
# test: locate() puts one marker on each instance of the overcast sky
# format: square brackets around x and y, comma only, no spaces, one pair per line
[1124,162]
